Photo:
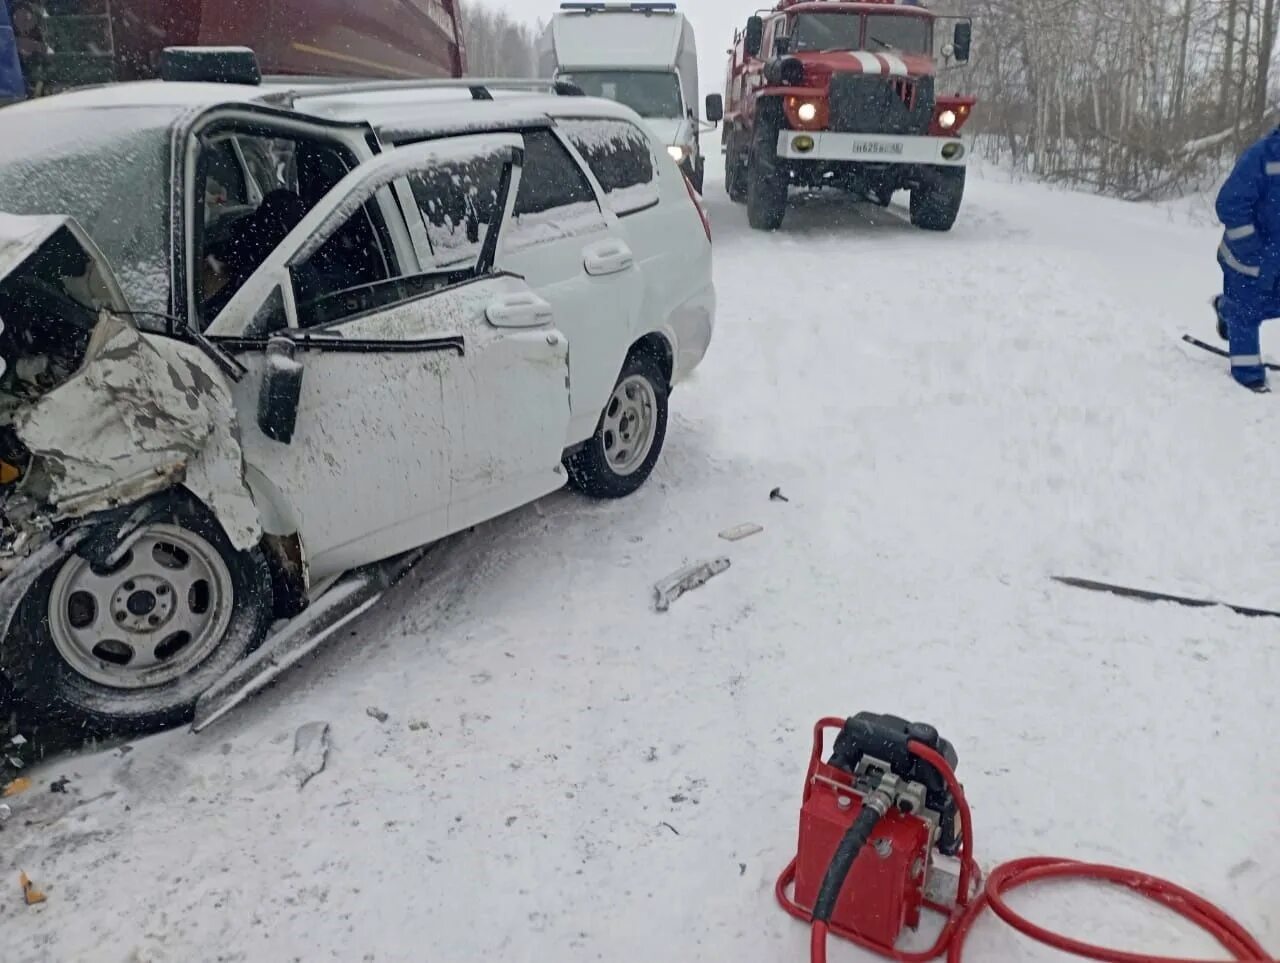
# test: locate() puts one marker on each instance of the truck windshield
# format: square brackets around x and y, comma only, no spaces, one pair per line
[649,93]
[844,31]
[109,169]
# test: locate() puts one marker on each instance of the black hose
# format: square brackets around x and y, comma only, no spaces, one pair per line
[842,861]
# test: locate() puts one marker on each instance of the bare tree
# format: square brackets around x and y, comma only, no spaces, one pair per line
[1138,98]
[497,46]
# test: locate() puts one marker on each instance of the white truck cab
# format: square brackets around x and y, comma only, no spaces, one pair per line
[641,54]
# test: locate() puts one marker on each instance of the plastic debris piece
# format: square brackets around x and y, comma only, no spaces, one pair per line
[686,579]
[777,496]
[18,740]
[19,785]
[59,785]
[5,813]
[373,712]
[739,532]
[29,891]
[310,751]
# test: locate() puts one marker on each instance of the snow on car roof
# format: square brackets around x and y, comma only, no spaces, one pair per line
[396,112]
[411,112]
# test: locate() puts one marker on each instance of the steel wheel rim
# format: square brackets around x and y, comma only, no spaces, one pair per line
[160,613]
[630,419]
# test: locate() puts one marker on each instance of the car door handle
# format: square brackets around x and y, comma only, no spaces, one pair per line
[607,257]
[523,309]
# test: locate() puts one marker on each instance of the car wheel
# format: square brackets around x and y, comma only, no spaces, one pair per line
[131,648]
[935,201]
[621,454]
[699,175]
[766,184]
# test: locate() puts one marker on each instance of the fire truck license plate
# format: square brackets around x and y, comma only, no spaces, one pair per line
[873,147]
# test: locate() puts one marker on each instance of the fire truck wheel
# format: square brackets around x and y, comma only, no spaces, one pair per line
[766,185]
[935,201]
[735,172]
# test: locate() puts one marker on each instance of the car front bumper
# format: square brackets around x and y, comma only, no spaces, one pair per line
[829,146]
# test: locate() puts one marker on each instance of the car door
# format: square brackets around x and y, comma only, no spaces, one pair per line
[428,399]
[569,249]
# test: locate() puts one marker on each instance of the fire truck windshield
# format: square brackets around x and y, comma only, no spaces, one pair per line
[848,31]
[650,93]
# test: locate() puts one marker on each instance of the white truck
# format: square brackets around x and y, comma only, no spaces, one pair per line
[641,54]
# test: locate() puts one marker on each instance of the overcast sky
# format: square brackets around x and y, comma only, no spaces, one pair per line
[713,22]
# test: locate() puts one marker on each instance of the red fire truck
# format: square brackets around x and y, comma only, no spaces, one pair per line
[71,43]
[833,93]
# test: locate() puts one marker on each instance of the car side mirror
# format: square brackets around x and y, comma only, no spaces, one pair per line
[715,108]
[281,391]
[754,36]
[961,41]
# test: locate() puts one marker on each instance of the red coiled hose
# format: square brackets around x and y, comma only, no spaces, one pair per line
[1019,872]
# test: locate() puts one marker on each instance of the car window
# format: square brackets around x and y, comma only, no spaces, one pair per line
[257,187]
[458,200]
[650,93]
[110,169]
[555,199]
[347,275]
[620,155]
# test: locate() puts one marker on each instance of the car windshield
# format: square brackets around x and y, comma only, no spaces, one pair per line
[109,169]
[843,31]
[649,93]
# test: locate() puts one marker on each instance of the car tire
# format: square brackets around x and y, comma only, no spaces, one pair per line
[766,184]
[735,171]
[209,604]
[619,457]
[935,201]
[699,175]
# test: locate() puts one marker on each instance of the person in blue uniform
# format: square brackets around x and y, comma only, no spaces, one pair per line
[1248,206]
[12,85]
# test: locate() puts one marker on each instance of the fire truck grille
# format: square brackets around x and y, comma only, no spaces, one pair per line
[863,104]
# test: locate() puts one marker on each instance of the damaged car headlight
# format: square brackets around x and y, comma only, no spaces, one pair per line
[678,152]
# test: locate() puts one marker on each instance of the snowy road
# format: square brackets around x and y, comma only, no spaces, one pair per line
[566,775]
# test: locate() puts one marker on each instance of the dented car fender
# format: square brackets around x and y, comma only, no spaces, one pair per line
[142,414]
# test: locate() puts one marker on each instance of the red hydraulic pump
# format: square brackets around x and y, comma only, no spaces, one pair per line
[879,820]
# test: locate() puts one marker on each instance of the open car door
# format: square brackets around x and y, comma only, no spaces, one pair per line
[388,415]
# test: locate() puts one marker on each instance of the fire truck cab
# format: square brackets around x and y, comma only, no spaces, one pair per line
[831,93]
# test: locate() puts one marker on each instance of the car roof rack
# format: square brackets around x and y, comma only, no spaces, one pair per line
[480,87]
[598,6]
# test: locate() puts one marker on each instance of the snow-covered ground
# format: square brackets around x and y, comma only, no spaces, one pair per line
[566,775]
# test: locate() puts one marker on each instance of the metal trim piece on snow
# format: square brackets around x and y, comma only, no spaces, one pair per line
[354,594]
[1145,595]
[1222,352]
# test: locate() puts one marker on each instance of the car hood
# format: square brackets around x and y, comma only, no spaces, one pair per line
[102,413]
[24,238]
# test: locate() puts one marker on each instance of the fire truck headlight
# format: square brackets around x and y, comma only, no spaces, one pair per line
[947,119]
[807,111]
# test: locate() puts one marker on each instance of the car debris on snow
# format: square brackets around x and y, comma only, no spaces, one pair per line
[686,579]
[373,712]
[19,785]
[310,751]
[777,496]
[5,813]
[30,894]
[739,532]
[59,785]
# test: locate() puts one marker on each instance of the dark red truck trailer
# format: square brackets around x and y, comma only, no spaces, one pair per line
[71,43]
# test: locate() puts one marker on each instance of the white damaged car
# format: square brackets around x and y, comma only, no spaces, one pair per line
[250,348]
